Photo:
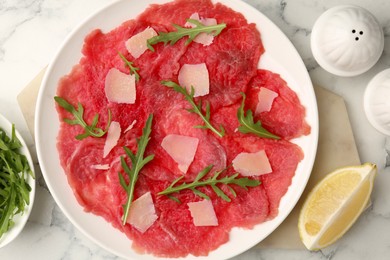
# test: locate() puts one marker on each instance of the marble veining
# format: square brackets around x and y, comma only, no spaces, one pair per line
[387,148]
[32,30]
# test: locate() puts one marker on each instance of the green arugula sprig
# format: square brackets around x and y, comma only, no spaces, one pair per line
[212,182]
[247,124]
[133,70]
[90,130]
[14,189]
[196,108]
[137,163]
[181,32]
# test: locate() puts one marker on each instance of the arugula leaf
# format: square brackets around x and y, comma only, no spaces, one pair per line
[137,161]
[197,109]
[90,130]
[133,70]
[181,32]
[247,124]
[14,189]
[212,182]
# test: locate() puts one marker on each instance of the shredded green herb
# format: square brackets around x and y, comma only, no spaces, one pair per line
[14,189]
[181,32]
[89,130]
[212,182]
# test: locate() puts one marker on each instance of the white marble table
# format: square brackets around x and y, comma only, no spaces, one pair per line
[32,31]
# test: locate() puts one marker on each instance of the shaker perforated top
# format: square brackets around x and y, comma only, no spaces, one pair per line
[347,40]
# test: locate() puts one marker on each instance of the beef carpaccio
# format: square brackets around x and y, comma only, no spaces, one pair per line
[232,63]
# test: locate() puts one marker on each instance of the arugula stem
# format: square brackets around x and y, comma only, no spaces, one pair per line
[133,70]
[90,130]
[212,182]
[197,109]
[185,186]
[181,32]
[130,192]
[205,120]
[138,162]
[247,124]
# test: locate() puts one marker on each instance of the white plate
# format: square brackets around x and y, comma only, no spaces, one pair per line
[19,219]
[280,57]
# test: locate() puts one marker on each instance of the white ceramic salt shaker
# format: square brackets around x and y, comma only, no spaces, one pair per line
[377,102]
[347,40]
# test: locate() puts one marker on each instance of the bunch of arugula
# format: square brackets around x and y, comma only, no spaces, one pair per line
[14,189]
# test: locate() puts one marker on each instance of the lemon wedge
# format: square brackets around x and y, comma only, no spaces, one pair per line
[334,204]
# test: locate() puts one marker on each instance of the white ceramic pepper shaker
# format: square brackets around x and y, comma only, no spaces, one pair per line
[347,40]
[377,102]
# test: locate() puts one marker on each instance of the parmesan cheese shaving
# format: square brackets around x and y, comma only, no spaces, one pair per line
[194,16]
[142,213]
[202,38]
[252,164]
[114,132]
[120,87]
[130,126]
[101,166]
[137,44]
[197,76]
[202,213]
[266,99]
[181,148]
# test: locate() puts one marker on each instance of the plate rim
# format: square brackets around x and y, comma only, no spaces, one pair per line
[309,159]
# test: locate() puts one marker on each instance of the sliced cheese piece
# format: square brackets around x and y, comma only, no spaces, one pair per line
[203,38]
[266,99]
[194,16]
[252,164]
[120,87]
[101,166]
[181,148]
[130,126]
[197,76]
[202,213]
[113,134]
[137,44]
[206,38]
[142,213]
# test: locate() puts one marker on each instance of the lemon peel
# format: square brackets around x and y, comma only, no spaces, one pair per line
[334,204]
